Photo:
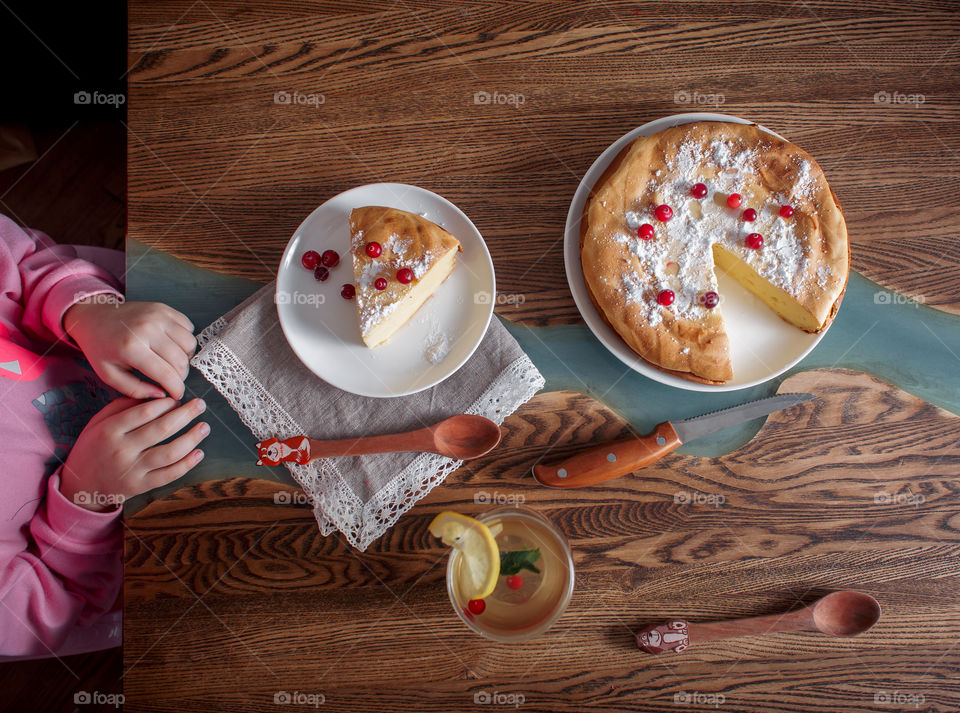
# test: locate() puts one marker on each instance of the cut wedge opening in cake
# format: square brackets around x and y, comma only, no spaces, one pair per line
[774,297]
[399,261]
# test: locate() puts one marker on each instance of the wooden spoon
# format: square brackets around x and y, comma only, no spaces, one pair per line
[844,613]
[461,437]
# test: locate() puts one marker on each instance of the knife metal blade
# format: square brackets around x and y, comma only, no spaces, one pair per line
[692,428]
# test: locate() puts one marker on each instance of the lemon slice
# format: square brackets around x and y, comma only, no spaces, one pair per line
[476,544]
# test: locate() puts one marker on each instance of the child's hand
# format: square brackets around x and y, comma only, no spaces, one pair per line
[116,455]
[150,337]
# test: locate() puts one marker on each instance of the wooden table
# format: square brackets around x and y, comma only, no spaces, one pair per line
[232,599]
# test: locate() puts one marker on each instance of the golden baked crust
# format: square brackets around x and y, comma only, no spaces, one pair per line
[406,240]
[804,262]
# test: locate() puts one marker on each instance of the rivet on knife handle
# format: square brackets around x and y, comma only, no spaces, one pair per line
[610,460]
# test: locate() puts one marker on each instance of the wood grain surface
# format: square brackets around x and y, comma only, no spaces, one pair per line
[232,598]
[221,175]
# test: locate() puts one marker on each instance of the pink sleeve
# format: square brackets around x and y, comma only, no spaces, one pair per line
[72,576]
[39,280]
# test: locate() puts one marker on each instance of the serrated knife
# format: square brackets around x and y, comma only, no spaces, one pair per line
[611,460]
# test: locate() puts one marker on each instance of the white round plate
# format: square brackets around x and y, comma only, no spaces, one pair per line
[762,345]
[322,329]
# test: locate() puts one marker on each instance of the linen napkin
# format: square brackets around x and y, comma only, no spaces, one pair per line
[246,357]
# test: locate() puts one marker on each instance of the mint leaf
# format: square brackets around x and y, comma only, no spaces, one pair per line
[513,562]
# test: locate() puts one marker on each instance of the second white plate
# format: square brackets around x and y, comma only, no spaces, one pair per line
[762,345]
[321,327]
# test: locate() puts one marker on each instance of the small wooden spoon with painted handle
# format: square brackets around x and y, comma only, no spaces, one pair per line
[845,613]
[462,437]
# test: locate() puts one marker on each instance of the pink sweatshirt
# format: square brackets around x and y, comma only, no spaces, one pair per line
[60,565]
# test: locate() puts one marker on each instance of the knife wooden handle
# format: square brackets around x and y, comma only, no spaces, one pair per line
[611,460]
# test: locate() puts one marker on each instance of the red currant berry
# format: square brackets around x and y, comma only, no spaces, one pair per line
[710,300]
[330,258]
[380,283]
[348,291]
[514,581]
[476,606]
[645,231]
[310,259]
[373,249]
[405,275]
[786,211]
[754,241]
[321,273]
[665,297]
[663,213]
[749,215]
[699,190]
[734,200]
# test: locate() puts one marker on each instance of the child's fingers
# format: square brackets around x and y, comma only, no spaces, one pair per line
[162,476]
[151,365]
[126,383]
[136,416]
[113,408]
[178,317]
[169,453]
[165,425]
[183,339]
[168,350]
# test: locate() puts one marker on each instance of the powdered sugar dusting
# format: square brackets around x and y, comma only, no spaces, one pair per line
[436,345]
[805,185]
[421,264]
[680,256]
[371,307]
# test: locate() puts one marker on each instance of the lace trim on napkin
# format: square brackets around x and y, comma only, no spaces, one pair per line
[335,505]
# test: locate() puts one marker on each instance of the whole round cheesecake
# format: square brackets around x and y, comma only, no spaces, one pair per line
[675,206]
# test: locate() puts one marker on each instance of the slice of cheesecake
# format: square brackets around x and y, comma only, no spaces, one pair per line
[399,260]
